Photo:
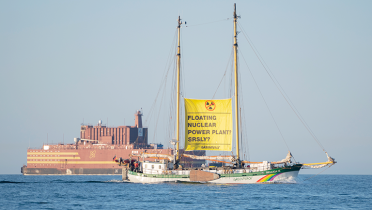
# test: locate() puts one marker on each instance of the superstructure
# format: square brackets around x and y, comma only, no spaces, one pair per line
[92,153]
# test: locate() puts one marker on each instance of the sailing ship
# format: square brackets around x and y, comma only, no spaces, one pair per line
[167,168]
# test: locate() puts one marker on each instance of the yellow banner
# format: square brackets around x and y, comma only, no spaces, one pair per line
[208,124]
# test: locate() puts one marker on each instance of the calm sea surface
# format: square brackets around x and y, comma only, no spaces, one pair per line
[109,192]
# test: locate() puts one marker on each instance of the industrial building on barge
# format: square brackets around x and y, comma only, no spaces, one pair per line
[92,153]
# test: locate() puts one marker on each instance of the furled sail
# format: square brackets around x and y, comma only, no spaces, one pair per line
[330,162]
[228,157]
[287,159]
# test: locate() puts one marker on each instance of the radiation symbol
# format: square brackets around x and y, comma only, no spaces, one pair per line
[210,105]
[92,154]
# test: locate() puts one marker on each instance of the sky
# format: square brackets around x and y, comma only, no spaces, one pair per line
[64,63]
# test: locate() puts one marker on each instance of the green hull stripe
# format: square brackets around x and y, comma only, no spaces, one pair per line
[262,173]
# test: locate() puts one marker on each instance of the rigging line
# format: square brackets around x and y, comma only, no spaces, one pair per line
[172,109]
[246,136]
[162,98]
[240,96]
[168,116]
[182,91]
[302,120]
[161,102]
[227,66]
[224,92]
[240,126]
[160,110]
[276,82]
[209,22]
[232,80]
[182,67]
[230,94]
[163,82]
[170,124]
[182,80]
[286,95]
[156,98]
[276,124]
[169,65]
[318,173]
[241,102]
[232,77]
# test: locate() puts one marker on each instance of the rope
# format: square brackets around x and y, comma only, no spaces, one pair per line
[162,89]
[163,82]
[267,106]
[318,173]
[281,91]
[209,22]
[243,127]
[223,74]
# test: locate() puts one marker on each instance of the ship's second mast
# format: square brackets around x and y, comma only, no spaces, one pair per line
[178,91]
[236,87]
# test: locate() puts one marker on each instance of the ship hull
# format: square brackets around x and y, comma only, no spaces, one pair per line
[279,175]
[75,171]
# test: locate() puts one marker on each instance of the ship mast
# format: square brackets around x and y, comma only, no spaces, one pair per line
[178,93]
[236,88]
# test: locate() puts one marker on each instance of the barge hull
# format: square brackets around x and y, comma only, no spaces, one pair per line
[75,171]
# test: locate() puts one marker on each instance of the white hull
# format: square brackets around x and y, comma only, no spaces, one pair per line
[143,179]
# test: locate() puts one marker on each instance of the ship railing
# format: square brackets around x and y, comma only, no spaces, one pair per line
[80,146]
[73,147]
[88,124]
[181,172]
[260,168]
[173,172]
[152,171]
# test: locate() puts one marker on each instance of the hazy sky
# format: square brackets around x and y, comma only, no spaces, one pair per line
[63,63]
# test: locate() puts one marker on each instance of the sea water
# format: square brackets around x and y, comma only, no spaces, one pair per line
[109,192]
